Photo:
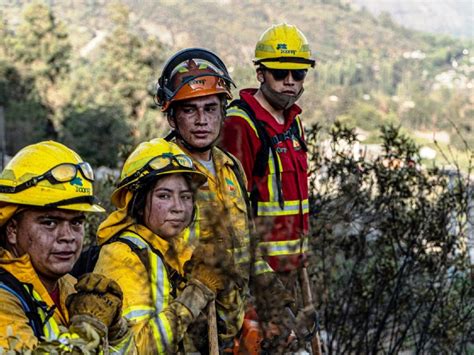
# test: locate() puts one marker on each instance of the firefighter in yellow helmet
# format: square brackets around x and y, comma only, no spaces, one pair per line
[45,191]
[147,247]
[193,91]
[264,130]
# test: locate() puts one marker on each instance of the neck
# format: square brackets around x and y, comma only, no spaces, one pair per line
[195,154]
[48,283]
[278,115]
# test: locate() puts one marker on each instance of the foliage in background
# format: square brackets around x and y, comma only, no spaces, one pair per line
[100,104]
[369,72]
[390,264]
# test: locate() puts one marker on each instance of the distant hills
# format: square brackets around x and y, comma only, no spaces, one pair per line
[451,17]
[371,70]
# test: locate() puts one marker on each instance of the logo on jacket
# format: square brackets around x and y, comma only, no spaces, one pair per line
[230,185]
[296,143]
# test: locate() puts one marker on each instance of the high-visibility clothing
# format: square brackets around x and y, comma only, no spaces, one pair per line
[223,216]
[12,313]
[13,317]
[285,243]
[158,321]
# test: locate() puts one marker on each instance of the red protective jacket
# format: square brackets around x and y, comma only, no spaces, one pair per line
[285,242]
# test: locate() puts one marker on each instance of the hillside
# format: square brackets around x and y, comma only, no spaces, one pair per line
[370,71]
[449,17]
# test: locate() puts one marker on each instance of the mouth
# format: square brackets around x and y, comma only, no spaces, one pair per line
[201,134]
[289,93]
[176,222]
[64,255]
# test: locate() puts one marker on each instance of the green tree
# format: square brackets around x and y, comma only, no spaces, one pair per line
[41,42]
[124,72]
[98,134]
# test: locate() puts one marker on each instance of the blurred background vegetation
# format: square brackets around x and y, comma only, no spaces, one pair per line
[63,64]
[391,151]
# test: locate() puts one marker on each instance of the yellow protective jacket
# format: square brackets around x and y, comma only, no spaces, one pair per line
[14,320]
[12,313]
[223,216]
[146,266]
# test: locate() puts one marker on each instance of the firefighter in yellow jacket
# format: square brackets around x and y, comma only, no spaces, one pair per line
[193,91]
[45,191]
[146,247]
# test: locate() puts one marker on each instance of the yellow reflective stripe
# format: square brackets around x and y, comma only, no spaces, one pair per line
[193,231]
[241,255]
[300,125]
[271,179]
[284,247]
[50,328]
[124,347]
[157,336]
[289,208]
[261,267]
[160,289]
[138,313]
[234,111]
[165,329]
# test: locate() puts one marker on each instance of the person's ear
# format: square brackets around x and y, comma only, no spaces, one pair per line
[260,76]
[11,231]
[171,121]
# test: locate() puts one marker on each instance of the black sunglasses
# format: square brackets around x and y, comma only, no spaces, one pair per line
[281,74]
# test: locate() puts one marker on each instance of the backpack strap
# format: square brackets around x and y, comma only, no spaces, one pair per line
[23,292]
[240,180]
[261,159]
[141,251]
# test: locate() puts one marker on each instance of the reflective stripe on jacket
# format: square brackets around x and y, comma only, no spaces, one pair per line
[157,322]
[285,243]
[12,314]
[12,308]
[223,216]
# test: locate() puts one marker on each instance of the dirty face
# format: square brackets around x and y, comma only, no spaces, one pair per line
[169,206]
[52,237]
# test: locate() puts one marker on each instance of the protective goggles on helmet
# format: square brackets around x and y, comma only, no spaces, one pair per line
[160,163]
[59,174]
[281,74]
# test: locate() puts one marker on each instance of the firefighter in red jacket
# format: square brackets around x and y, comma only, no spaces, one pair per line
[263,129]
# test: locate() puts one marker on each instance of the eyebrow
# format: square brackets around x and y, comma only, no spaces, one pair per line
[169,190]
[196,106]
[61,218]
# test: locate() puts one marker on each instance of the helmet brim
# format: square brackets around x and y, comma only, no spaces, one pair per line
[197,179]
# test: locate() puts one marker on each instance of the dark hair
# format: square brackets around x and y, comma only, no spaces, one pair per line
[138,203]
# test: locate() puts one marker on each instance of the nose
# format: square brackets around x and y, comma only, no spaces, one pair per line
[289,79]
[66,234]
[201,117]
[178,205]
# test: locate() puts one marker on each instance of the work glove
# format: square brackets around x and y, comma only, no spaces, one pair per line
[306,323]
[213,254]
[98,302]
[212,265]
[271,297]
[211,277]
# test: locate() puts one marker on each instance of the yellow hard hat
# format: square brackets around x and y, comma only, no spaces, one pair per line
[49,174]
[283,47]
[153,158]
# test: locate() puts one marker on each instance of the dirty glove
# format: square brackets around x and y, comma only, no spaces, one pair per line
[271,297]
[306,323]
[211,277]
[213,254]
[98,302]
